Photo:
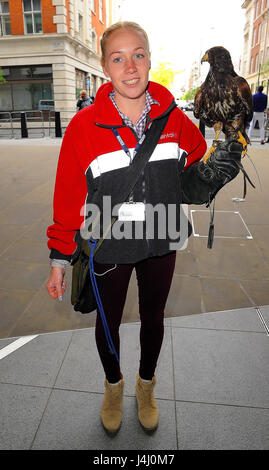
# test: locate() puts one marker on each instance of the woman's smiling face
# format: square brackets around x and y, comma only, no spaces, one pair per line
[127,63]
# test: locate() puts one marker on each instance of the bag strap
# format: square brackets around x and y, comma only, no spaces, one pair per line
[135,169]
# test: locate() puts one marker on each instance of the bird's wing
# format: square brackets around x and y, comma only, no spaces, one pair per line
[245,94]
[197,103]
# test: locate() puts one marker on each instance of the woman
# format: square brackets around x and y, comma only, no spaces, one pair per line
[124,107]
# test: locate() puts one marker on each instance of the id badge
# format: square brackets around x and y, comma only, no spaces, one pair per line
[132,211]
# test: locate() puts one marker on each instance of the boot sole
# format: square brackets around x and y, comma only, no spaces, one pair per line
[147,430]
[110,433]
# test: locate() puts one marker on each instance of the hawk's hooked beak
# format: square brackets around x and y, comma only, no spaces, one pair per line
[204,58]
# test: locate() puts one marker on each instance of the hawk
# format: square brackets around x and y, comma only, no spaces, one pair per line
[224,100]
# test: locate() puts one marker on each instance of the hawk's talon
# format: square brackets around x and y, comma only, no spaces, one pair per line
[215,144]
[242,141]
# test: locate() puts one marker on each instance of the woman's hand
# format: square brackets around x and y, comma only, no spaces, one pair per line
[56,285]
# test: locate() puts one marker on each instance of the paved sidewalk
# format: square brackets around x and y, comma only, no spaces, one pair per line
[234,274]
[212,387]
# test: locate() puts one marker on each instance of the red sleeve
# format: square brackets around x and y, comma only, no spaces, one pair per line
[191,140]
[69,194]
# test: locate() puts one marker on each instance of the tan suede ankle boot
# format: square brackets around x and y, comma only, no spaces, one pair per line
[111,412]
[148,414]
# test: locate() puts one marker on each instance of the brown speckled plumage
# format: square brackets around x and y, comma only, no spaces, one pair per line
[224,97]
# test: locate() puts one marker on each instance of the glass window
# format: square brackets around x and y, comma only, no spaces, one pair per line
[36,5]
[80,25]
[32,16]
[101,10]
[80,81]
[259,33]
[93,5]
[27,5]
[22,96]
[29,24]
[94,41]
[251,65]
[4,19]
[253,36]
[37,23]
[27,72]
[42,71]
[4,7]
[5,97]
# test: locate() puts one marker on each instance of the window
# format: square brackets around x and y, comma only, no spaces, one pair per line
[25,86]
[251,65]
[94,41]
[80,25]
[32,16]
[93,5]
[253,37]
[80,81]
[101,10]
[264,30]
[4,19]
[256,63]
[259,34]
[256,9]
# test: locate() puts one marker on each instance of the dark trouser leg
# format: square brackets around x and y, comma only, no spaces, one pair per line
[113,288]
[154,276]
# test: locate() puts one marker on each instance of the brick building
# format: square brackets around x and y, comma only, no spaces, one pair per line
[50,49]
[255,54]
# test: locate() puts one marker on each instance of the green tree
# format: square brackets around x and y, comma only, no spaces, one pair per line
[190,94]
[163,74]
[2,79]
[265,69]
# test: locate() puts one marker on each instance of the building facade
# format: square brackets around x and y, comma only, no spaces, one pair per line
[50,50]
[255,57]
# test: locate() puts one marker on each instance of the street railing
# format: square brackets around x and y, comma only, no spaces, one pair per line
[59,120]
[34,123]
[6,125]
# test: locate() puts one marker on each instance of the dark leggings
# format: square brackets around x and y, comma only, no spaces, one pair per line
[154,277]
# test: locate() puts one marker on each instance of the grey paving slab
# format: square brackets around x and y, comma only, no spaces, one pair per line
[21,411]
[245,319]
[225,367]
[37,362]
[265,313]
[72,421]
[6,342]
[82,369]
[218,427]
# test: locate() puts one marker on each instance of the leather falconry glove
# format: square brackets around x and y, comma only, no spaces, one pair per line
[202,181]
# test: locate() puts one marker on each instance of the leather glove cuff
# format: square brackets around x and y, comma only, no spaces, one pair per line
[202,181]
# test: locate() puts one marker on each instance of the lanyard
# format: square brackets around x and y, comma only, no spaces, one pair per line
[124,146]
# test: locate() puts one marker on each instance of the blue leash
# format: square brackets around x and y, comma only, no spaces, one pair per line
[92,244]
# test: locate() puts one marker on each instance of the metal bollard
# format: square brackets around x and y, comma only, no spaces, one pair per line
[58,127]
[24,131]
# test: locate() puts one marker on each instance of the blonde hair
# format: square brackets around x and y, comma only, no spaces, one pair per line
[117,26]
[83,92]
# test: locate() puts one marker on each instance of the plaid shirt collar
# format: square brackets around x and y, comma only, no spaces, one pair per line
[139,127]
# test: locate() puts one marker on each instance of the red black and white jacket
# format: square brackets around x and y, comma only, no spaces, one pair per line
[92,164]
